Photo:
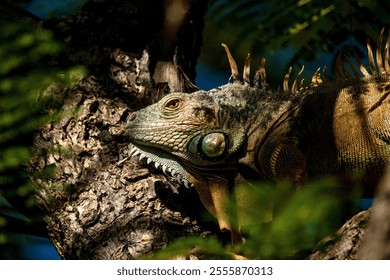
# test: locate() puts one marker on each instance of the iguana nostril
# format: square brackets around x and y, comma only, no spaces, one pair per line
[132,117]
[130,120]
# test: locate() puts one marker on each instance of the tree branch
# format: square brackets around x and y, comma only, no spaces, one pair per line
[376,243]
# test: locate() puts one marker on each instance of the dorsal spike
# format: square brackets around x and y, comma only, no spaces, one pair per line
[316,78]
[324,74]
[362,69]
[285,82]
[263,73]
[260,79]
[345,71]
[295,88]
[188,85]
[352,67]
[247,70]
[370,57]
[379,59]
[387,55]
[339,71]
[301,84]
[233,66]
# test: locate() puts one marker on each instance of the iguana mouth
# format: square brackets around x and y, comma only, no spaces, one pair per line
[163,161]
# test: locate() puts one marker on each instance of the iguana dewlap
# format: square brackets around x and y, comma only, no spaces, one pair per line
[207,139]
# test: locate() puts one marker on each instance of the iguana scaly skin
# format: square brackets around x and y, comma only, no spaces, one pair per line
[207,139]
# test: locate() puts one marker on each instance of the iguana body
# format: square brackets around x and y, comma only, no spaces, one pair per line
[210,138]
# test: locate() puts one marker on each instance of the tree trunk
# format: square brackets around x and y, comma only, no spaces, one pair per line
[99,203]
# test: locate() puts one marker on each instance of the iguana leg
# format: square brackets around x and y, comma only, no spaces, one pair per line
[215,198]
[220,194]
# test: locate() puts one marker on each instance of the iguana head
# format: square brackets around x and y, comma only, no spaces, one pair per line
[186,132]
[199,134]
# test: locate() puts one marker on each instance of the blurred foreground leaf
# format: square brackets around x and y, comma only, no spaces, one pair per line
[27,101]
[277,222]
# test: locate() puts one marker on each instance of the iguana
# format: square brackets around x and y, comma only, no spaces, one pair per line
[208,139]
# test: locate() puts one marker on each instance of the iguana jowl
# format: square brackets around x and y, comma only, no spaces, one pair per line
[209,138]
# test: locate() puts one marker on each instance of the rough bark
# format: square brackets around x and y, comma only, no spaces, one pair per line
[99,203]
[376,243]
[366,235]
[345,245]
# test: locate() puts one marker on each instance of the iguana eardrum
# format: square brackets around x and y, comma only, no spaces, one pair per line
[207,139]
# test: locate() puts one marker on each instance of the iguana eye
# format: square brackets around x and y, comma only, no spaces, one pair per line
[173,104]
